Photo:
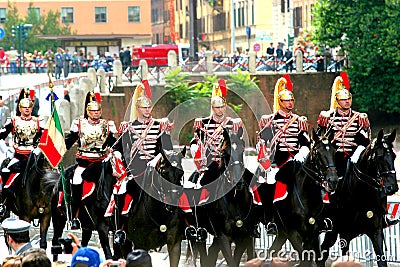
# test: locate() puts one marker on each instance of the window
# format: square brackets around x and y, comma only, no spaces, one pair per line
[100,14]
[133,13]
[34,11]
[2,15]
[67,15]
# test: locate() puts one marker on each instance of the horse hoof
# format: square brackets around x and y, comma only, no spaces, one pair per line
[119,237]
[190,233]
[201,235]
[75,224]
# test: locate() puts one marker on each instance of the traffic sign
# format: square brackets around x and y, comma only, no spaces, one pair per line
[2,33]
[257,47]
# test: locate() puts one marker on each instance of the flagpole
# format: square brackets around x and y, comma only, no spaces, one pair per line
[61,165]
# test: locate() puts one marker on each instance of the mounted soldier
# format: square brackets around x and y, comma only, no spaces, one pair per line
[347,129]
[209,133]
[26,130]
[282,140]
[94,136]
[141,141]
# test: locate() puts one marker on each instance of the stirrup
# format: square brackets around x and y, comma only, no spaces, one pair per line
[191,233]
[327,225]
[271,228]
[75,224]
[389,222]
[3,210]
[201,234]
[119,237]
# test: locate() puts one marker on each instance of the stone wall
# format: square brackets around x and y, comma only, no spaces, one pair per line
[312,92]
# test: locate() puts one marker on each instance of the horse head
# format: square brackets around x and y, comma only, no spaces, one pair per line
[232,157]
[170,165]
[323,160]
[380,159]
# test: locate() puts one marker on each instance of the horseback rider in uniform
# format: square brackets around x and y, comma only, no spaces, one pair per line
[210,132]
[26,130]
[347,129]
[283,140]
[142,138]
[94,136]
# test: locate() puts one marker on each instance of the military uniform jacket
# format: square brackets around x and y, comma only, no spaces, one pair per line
[345,131]
[212,133]
[141,142]
[26,133]
[93,138]
[285,133]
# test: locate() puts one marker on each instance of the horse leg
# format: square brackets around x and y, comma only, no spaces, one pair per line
[213,251]
[44,227]
[174,252]
[58,228]
[102,230]
[225,246]
[329,241]
[276,246]
[377,242]
[245,243]
[86,235]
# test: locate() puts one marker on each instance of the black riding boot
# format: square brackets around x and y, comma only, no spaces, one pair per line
[3,193]
[76,196]
[3,209]
[120,221]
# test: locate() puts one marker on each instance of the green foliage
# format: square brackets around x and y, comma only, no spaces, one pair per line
[47,24]
[369,32]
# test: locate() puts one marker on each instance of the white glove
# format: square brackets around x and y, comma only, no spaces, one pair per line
[153,162]
[356,155]
[302,154]
[193,149]
[37,151]
[271,175]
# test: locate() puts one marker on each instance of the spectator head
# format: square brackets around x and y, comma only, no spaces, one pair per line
[12,261]
[138,258]
[17,229]
[86,257]
[35,257]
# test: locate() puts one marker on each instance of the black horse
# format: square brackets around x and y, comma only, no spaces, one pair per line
[92,210]
[156,220]
[299,216]
[361,198]
[230,217]
[30,198]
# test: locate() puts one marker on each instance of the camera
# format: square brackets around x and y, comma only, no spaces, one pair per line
[66,243]
[115,263]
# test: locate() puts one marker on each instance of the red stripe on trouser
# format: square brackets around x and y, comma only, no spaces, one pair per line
[256,195]
[127,203]
[60,198]
[88,188]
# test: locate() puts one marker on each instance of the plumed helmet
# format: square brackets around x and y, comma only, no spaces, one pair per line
[92,103]
[141,98]
[25,99]
[218,96]
[340,89]
[283,91]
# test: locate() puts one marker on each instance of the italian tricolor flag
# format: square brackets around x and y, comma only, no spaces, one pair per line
[52,140]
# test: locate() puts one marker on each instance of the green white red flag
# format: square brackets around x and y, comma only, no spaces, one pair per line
[52,141]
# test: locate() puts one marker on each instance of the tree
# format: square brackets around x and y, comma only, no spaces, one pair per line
[46,24]
[370,33]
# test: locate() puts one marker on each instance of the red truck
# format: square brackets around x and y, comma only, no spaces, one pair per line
[157,55]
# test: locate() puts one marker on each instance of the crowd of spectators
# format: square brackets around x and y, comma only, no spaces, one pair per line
[59,62]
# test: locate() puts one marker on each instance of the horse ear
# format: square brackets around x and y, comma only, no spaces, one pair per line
[163,153]
[380,135]
[183,151]
[392,136]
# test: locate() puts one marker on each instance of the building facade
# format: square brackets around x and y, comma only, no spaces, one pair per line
[99,25]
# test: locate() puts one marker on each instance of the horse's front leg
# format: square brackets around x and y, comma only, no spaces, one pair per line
[245,243]
[86,235]
[174,252]
[329,241]
[213,251]
[377,242]
[226,250]
[102,230]
[44,227]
